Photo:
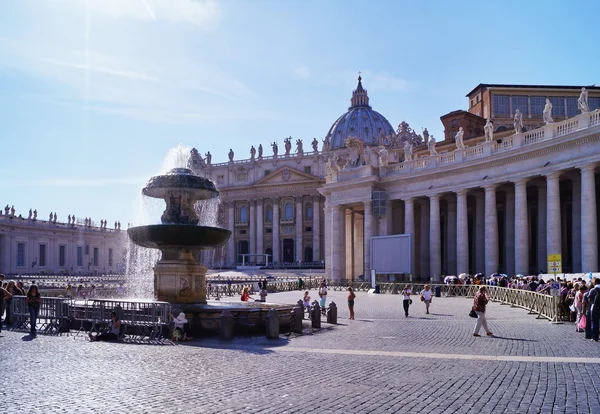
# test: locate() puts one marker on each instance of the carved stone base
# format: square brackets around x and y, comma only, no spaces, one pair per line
[180,281]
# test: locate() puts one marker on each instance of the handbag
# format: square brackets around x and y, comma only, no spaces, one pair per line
[422,298]
[410,301]
[582,322]
[473,314]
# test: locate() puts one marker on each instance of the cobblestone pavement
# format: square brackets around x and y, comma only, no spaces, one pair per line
[381,362]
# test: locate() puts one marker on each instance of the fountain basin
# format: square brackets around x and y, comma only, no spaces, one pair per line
[178,236]
[181,180]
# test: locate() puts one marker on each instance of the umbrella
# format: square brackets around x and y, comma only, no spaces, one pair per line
[449,278]
[463,276]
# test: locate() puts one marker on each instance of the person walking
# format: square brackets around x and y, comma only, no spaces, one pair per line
[479,304]
[426,295]
[406,299]
[34,301]
[351,297]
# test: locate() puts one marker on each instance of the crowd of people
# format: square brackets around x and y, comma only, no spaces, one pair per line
[33,299]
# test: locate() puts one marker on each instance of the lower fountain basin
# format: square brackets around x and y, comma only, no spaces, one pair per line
[178,236]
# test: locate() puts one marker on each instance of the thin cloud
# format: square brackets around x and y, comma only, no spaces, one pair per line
[81,182]
[301,72]
[108,71]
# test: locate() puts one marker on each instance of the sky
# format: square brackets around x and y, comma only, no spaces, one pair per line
[95,93]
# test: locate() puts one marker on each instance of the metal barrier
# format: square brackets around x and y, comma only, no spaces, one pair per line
[53,317]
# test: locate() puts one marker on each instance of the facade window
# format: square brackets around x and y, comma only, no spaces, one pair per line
[477,98]
[110,257]
[244,214]
[307,170]
[87,249]
[558,105]
[242,176]
[521,103]
[268,231]
[593,103]
[472,103]
[308,254]
[501,105]
[269,215]
[220,179]
[62,256]
[308,211]
[267,172]
[289,211]
[21,254]
[537,105]
[79,256]
[42,258]
[572,109]
[308,229]
[96,256]
[242,231]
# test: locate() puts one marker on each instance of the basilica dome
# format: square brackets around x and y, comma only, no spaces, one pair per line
[360,121]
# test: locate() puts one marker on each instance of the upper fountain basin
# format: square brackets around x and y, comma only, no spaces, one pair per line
[181,236]
[180,180]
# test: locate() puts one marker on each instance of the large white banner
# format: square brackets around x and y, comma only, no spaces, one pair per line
[391,254]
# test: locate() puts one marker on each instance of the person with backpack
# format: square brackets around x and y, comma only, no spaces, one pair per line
[594,310]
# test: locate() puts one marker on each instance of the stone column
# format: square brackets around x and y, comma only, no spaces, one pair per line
[385,221]
[576,222]
[521,246]
[479,233]
[542,258]
[337,243]
[350,242]
[435,241]
[491,231]
[451,236]
[589,220]
[509,232]
[231,227]
[252,231]
[276,242]
[259,230]
[299,229]
[425,253]
[316,229]
[367,234]
[409,228]
[357,252]
[462,233]
[327,244]
[553,217]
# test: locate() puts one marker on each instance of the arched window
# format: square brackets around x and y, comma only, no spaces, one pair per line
[269,215]
[308,211]
[308,254]
[244,214]
[269,251]
[289,211]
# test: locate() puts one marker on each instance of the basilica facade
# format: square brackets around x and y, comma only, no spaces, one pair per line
[484,199]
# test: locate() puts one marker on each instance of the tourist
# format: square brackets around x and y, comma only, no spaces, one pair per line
[300,283]
[323,295]
[69,293]
[34,301]
[114,330]
[306,301]
[93,292]
[180,330]
[479,304]
[263,294]
[245,294]
[4,297]
[594,312]
[19,289]
[11,289]
[351,297]
[426,295]
[406,302]
[579,306]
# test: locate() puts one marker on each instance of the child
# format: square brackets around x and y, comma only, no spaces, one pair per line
[263,295]
[306,301]
[351,297]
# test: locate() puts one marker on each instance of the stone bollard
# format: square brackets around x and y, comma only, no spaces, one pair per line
[298,316]
[315,315]
[272,324]
[227,323]
[300,304]
[332,313]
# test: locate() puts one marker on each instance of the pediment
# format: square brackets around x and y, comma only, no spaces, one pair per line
[286,175]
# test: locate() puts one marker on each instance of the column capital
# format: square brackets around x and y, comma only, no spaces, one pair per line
[260,202]
[554,175]
[409,200]
[275,200]
[252,202]
[521,182]
[316,197]
[298,199]
[367,202]
[434,197]
[462,192]
[588,168]
[489,188]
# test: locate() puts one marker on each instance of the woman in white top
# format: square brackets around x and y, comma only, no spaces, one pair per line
[406,302]
[426,295]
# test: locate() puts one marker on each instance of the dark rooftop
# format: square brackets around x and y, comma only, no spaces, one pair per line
[499,85]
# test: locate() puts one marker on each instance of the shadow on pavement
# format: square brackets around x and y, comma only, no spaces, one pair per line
[28,337]
[513,339]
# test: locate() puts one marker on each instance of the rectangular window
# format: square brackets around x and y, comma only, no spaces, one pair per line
[308,229]
[96,256]
[558,106]
[269,231]
[42,259]
[242,231]
[220,179]
[79,256]
[21,254]
[571,107]
[500,105]
[521,103]
[110,257]
[87,249]
[594,103]
[267,172]
[307,170]
[62,256]
[537,105]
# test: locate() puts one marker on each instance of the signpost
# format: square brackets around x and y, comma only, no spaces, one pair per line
[555,266]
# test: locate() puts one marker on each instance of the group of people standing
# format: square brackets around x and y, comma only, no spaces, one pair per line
[32,298]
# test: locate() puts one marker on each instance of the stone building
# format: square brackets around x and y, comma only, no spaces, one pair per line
[29,245]
[500,202]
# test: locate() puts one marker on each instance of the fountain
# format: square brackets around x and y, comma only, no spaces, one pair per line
[178,277]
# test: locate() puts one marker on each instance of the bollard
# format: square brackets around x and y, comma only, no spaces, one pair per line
[298,316]
[272,324]
[332,313]
[227,323]
[315,315]
[300,304]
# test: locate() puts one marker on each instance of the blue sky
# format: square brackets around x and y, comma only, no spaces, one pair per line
[94,93]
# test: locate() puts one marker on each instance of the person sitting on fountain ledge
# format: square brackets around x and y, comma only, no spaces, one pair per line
[181,327]
[114,330]
[246,295]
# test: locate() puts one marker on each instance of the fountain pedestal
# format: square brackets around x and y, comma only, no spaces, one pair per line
[178,282]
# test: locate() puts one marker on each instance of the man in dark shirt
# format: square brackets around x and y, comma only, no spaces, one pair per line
[593,307]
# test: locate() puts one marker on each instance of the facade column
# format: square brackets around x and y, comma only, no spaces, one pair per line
[409,228]
[435,241]
[425,253]
[299,230]
[327,242]
[509,232]
[231,227]
[479,233]
[589,220]
[491,231]
[521,246]
[260,228]
[462,233]
[252,231]
[337,242]
[553,216]
[451,234]
[316,229]
[542,258]
[576,225]
[367,234]
[350,243]
[276,242]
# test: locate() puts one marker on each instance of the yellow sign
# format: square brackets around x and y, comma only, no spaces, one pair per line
[554,263]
